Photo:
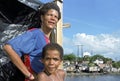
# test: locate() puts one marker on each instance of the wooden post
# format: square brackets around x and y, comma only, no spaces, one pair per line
[59,29]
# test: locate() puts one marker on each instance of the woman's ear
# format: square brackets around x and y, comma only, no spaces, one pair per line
[41,17]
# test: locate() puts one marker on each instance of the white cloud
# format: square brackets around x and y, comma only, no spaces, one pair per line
[86,53]
[105,44]
[68,45]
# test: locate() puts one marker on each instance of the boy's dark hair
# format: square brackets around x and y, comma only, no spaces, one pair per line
[50,5]
[52,46]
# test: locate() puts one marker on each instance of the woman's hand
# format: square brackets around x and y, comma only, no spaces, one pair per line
[30,77]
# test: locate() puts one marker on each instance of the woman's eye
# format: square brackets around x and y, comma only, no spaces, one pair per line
[49,14]
[47,58]
[52,15]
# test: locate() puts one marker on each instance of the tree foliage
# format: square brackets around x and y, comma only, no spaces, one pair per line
[93,58]
[70,57]
[116,64]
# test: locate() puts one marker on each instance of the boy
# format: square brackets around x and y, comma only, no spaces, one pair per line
[52,56]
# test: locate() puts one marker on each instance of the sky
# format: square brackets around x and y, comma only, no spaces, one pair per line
[95,24]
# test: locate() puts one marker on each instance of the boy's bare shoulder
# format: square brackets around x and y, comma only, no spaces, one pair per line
[41,76]
[61,72]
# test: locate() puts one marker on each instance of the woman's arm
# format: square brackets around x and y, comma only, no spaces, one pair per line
[15,58]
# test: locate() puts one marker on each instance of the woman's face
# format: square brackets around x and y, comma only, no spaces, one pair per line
[50,19]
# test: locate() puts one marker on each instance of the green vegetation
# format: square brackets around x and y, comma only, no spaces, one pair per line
[73,57]
[69,57]
[116,64]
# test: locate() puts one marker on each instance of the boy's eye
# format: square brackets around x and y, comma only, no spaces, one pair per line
[56,59]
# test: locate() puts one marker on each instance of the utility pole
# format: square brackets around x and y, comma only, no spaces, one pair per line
[78,50]
[81,50]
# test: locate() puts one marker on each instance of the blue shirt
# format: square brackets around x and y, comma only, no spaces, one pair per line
[31,42]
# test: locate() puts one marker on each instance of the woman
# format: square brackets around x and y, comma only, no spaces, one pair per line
[32,42]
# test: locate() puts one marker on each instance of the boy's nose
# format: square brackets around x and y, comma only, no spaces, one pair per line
[51,61]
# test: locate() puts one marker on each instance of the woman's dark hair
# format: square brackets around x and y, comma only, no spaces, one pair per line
[50,5]
[52,46]
[43,9]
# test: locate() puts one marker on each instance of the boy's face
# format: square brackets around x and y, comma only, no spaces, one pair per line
[51,61]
